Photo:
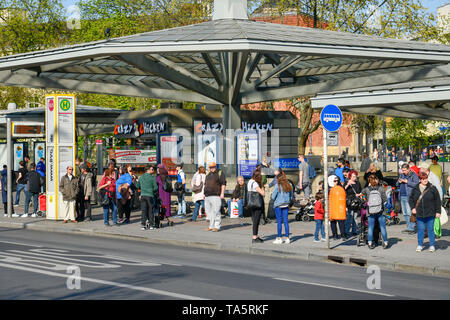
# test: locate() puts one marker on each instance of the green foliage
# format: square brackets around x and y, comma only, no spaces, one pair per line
[405,132]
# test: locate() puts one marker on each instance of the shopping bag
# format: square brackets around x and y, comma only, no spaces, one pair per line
[234,210]
[437,228]
[444,216]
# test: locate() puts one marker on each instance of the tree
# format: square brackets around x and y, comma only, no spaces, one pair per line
[406,133]
[400,19]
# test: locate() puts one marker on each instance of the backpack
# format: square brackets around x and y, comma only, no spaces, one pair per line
[311,171]
[375,202]
[167,185]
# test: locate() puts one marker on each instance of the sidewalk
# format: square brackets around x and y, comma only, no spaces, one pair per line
[235,236]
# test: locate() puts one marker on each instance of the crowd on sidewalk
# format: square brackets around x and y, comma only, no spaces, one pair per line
[420,194]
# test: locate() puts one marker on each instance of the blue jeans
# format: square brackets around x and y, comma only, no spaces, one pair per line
[320,226]
[404,200]
[198,204]
[351,222]
[181,205]
[382,221]
[282,218]
[112,205]
[20,187]
[240,206]
[423,223]
[28,196]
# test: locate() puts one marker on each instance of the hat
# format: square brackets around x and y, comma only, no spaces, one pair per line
[400,163]
[331,180]
[424,165]
[212,164]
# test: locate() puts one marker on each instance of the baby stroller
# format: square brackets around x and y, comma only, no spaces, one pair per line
[364,227]
[305,211]
[159,214]
[390,210]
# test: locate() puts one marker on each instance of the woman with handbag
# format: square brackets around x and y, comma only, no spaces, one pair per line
[107,192]
[198,194]
[354,202]
[164,195]
[255,198]
[426,203]
[282,195]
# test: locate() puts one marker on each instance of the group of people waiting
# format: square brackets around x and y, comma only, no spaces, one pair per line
[420,195]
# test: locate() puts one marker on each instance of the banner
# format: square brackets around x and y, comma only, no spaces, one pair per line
[135,156]
[169,153]
[247,152]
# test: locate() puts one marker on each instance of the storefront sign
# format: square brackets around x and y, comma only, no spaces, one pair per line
[246,126]
[140,127]
[247,152]
[135,156]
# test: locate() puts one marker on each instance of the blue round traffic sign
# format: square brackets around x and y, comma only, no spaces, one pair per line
[331,118]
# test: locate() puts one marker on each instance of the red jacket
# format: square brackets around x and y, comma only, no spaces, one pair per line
[415,169]
[318,211]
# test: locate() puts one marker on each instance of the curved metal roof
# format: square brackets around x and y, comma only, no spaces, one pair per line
[227,61]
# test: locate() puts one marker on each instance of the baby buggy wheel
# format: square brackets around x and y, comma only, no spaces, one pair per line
[298,216]
[305,218]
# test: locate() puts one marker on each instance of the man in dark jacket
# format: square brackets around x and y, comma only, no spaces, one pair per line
[149,188]
[34,184]
[407,181]
[215,183]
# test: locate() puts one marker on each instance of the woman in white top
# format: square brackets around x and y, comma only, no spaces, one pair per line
[199,197]
[255,185]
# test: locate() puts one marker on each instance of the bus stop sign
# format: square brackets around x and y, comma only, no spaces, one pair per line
[331,118]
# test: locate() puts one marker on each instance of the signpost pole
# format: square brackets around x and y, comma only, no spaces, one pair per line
[10,169]
[325,185]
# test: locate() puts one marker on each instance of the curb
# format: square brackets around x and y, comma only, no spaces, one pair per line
[341,259]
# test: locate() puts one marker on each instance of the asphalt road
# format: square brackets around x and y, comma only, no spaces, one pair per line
[42,265]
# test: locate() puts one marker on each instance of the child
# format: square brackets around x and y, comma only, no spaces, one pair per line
[319,212]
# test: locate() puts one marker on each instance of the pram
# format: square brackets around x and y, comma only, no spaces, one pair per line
[159,214]
[391,210]
[364,227]
[305,211]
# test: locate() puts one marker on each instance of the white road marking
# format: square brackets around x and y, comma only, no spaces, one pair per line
[21,244]
[109,283]
[336,287]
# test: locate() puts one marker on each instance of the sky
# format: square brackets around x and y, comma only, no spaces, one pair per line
[431,5]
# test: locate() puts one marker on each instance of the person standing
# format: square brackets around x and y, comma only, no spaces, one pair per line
[180,188]
[319,213]
[426,206]
[148,186]
[123,195]
[282,195]
[365,163]
[436,168]
[33,188]
[86,183]
[255,185]
[336,218]
[198,197]
[108,183]
[407,181]
[163,174]
[215,183]
[238,196]
[375,155]
[303,176]
[27,163]
[376,198]
[21,181]
[373,169]
[339,172]
[68,186]
[352,190]
[4,189]
[432,178]
[40,168]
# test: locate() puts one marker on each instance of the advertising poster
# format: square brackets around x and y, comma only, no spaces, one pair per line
[18,155]
[247,153]
[65,120]
[207,149]
[50,119]
[135,156]
[169,153]
[39,151]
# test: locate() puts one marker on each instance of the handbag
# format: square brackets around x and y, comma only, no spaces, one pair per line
[104,197]
[444,216]
[197,189]
[254,200]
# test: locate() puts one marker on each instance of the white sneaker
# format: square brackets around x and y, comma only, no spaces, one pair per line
[419,248]
[278,241]
[323,240]
[287,241]
[15,215]
[34,215]
[316,240]
[25,215]
[432,249]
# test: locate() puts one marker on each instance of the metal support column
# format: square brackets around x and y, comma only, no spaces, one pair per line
[384,152]
[10,169]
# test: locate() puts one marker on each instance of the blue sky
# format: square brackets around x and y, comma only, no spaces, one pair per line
[432,5]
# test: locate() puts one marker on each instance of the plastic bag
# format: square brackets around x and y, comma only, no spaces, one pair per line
[437,228]
[234,210]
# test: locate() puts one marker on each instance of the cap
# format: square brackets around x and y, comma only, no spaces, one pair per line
[212,164]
